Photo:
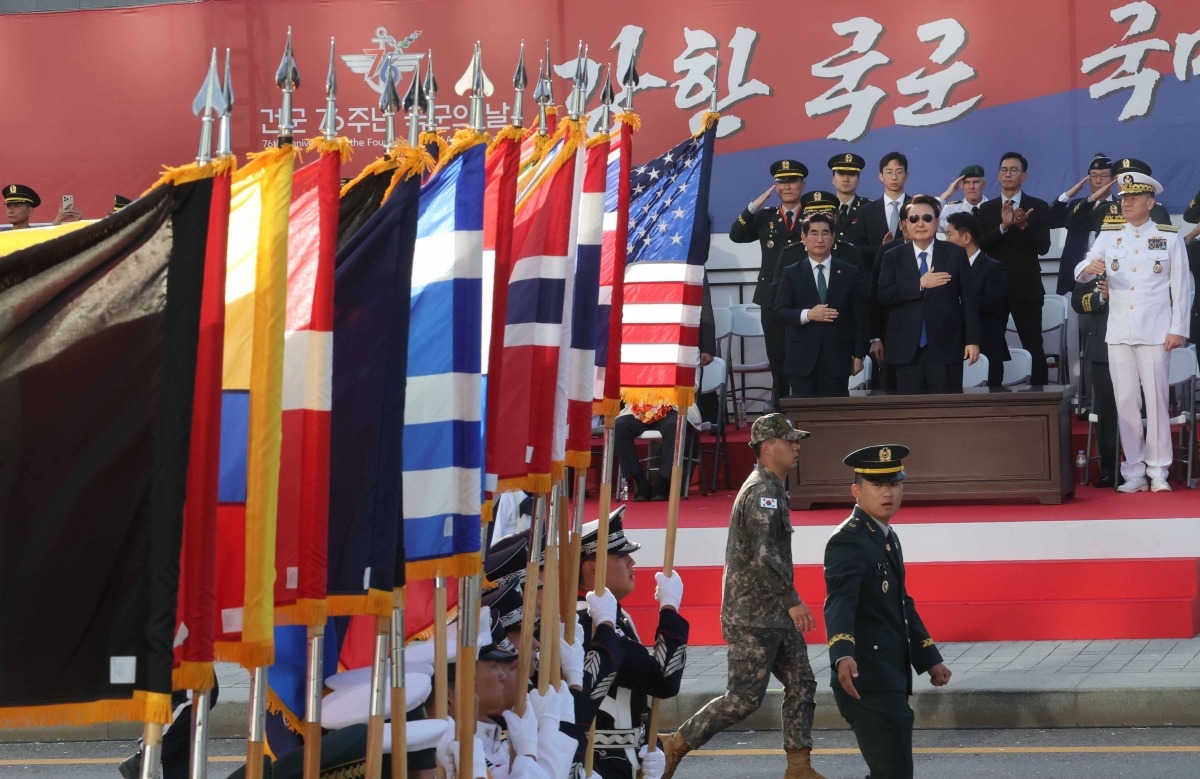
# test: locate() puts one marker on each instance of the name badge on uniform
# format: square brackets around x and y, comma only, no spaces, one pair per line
[1156,243]
[768,503]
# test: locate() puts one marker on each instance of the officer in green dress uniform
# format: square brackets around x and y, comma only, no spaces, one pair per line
[875,633]
[846,170]
[775,229]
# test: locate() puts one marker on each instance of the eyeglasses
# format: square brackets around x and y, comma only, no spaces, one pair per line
[926,218]
[1012,171]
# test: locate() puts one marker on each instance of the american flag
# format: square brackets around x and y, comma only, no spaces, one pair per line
[667,245]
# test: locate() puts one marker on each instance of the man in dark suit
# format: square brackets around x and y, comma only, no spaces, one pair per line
[932,314]
[990,284]
[1015,229]
[775,229]
[1091,298]
[822,301]
[1068,206]
[876,636]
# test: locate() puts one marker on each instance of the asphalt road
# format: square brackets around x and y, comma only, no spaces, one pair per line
[1163,753]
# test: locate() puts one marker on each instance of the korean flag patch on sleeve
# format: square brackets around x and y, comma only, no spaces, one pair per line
[768,503]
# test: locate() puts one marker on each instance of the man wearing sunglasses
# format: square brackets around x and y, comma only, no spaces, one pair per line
[932,311]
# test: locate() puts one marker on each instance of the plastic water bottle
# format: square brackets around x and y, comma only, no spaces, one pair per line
[1081,466]
[740,406]
[623,490]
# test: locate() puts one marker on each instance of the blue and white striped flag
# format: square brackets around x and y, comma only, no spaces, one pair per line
[443,454]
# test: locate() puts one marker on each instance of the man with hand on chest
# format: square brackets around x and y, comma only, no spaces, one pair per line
[775,229]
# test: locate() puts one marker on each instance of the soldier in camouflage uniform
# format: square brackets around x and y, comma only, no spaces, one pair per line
[762,617]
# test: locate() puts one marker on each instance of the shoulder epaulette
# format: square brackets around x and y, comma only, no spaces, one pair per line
[1169,228]
[953,202]
[1112,226]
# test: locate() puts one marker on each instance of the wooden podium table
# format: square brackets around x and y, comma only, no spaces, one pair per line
[1003,443]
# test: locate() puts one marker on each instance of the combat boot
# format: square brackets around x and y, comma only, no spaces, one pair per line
[674,748]
[798,766]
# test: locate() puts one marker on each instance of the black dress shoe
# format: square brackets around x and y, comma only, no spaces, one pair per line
[1105,481]
[662,489]
[641,491]
[131,768]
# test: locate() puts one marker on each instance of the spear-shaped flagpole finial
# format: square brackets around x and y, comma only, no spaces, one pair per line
[606,101]
[579,86]
[431,91]
[209,100]
[225,134]
[630,81]
[287,78]
[712,103]
[329,126]
[389,102]
[475,82]
[520,81]
[414,101]
[539,97]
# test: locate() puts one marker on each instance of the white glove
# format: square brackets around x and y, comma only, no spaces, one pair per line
[479,767]
[669,591]
[571,655]
[566,702]
[602,608]
[547,715]
[522,731]
[447,751]
[538,703]
[653,763]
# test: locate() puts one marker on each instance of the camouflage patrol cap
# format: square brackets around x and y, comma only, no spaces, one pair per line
[775,426]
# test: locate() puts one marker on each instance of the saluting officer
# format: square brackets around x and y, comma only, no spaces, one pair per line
[1099,210]
[875,633]
[846,172]
[775,229]
[1150,301]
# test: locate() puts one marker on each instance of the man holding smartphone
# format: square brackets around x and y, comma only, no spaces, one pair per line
[20,200]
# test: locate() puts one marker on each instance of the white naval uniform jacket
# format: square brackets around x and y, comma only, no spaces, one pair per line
[1144,306]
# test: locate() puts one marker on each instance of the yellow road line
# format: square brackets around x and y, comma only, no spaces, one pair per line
[962,751]
[1102,749]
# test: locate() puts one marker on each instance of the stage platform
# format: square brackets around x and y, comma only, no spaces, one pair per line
[1100,566]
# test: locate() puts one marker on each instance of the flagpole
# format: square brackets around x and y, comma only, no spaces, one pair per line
[570,572]
[414,100]
[468,632]
[376,715]
[441,678]
[548,636]
[198,767]
[399,697]
[151,750]
[529,603]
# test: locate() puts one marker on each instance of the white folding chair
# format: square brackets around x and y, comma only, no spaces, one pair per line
[1181,377]
[1017,368]
[862,379]
[975,375]
[713,379]
[747,328]
[1054,336]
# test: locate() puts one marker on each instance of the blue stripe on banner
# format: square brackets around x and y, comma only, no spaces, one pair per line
[587,282]
[235,441]
[449,444]
[469,204]
[536,300]
[612,181]
[603,312]
[432,348]
[425,538]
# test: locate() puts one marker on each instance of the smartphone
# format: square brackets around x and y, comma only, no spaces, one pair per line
[68,202]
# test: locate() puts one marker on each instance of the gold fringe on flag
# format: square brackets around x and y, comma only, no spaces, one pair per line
[412,162]
[193,676]
[680,397]
[462,564]
[557,471]
[185,174]
[153,707]
[596,140]
[374,602]
[708,120]
[575,135]
[431,137]
[339,144]
[579,460]
[248,654]
[305,611]
[276,706]
[485,512]
[427,633]
[509,133]
[386,162]
[464,139]
[606,407]
[630,120]
[263,159]
[533,482]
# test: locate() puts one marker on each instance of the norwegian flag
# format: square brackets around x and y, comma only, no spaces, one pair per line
[542,255]
[664,277]
[607,383]
[579,341]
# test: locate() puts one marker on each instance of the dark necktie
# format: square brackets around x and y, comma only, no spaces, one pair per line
[821,288]
[787,220]
[924,268]
[975,211]
[843,213]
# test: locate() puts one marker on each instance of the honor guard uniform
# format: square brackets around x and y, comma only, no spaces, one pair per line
[623,710]
[848,225]
[1100,214]
[871,620]
[1150,295]
[775,228]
